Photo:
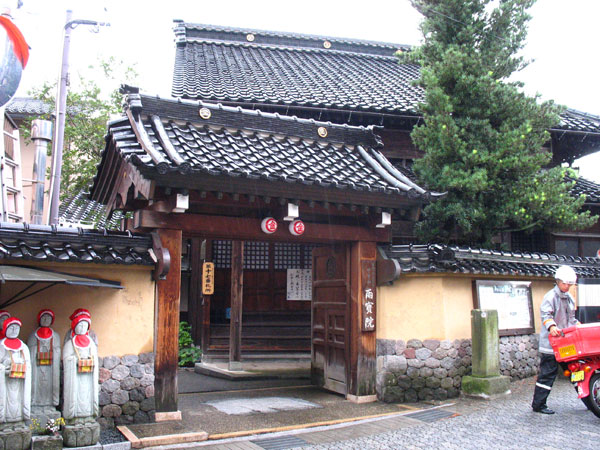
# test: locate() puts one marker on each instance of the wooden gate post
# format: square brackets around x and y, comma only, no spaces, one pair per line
[363,301]
[166,344]
[237,287]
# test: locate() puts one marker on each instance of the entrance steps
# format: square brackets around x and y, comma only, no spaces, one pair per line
[286,367]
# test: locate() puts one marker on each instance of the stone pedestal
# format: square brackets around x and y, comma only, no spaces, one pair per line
[52,442]
[15,436]
[81,432]
[487,387]
[485,380]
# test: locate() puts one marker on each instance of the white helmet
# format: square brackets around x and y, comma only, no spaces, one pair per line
[566,274]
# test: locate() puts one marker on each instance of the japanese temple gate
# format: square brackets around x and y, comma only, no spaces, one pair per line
[343,352]
[203,172]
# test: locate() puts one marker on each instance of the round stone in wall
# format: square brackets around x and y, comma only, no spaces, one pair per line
[147,380]
[146,358]
[431,344]
[129,360]
[111,411]
[129,383]
[147,404]
[119,397]
[138,394]
[130,408]
[432,362]
[110,362]
[137,371]
[414,343]
[120,372]
[110,386]
[423,353]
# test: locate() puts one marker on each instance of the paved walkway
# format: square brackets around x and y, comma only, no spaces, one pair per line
[506,423]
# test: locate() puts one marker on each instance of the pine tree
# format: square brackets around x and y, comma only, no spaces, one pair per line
[483,138]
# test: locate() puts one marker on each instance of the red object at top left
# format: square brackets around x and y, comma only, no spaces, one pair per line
[14,54]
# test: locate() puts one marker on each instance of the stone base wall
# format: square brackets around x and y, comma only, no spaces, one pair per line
[519,356]
[126,389]
[415,370]
[421,370]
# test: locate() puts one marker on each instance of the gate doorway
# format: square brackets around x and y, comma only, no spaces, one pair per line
[274,324]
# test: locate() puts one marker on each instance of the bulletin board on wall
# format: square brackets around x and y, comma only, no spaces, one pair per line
[512,300]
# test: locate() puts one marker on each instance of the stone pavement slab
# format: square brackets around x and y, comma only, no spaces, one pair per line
[506,423]
[232,414]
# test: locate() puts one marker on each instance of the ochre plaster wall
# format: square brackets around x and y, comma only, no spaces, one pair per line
[123,319]
[436,306]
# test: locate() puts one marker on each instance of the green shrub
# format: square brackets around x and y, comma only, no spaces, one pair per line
[189,354]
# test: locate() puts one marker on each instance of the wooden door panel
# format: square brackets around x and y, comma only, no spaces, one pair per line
[330,318]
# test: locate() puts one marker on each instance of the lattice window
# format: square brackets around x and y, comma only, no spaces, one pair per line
[308,248]
[222,254]
[256,255]
[288,256]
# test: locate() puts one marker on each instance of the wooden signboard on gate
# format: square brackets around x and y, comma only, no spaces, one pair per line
[368,294]
[208,278]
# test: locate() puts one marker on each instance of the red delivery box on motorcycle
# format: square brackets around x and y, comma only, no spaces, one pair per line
[577,342]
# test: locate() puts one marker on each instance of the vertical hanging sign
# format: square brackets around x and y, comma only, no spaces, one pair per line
[368,294]
[208,278]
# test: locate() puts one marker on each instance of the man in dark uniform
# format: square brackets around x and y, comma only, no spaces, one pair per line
[557,311]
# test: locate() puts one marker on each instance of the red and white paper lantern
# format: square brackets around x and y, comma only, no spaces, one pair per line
[268,225]
[297,227]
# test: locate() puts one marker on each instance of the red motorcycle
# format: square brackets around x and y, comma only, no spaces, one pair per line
[579,348]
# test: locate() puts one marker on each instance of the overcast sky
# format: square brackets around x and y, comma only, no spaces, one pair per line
[562,38]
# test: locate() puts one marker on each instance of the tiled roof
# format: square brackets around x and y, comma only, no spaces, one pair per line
[177,146]
[27,107]
[189,31]
[292,71]
[80,210]
[586,187]
[251,66]
[582,186]
[575,120]
[440,258]
[64,244]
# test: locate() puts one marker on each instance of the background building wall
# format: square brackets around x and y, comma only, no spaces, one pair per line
[123,319]
[424,306]
[424,337]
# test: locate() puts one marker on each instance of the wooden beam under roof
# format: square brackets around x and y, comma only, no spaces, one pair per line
[224,227]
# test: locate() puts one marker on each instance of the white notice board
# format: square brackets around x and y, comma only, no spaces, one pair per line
[299,284]
[512,300]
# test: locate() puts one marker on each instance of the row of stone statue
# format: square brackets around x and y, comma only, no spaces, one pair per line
[30,386]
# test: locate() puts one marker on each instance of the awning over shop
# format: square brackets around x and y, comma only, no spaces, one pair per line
[48,278]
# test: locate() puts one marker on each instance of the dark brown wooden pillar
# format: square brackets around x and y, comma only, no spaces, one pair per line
[206,299]
[195,292]
[362,343]
[237,285]
[166,348]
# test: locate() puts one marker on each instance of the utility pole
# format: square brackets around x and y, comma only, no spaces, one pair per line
[60,111]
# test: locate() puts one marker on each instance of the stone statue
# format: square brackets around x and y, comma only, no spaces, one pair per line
[15,387]
[44,347]
[3,316]
[80,387]
[80,312]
